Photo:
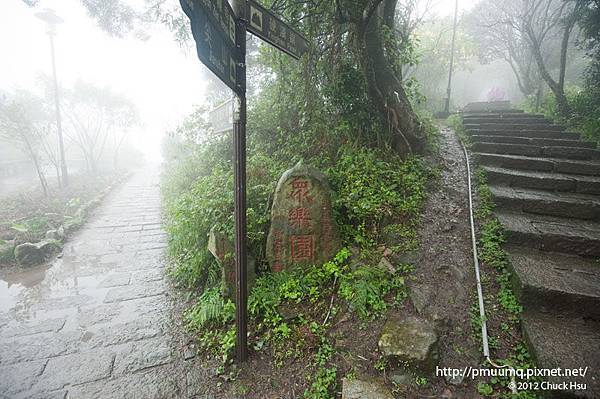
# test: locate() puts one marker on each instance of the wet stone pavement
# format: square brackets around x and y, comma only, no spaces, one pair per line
[96,323]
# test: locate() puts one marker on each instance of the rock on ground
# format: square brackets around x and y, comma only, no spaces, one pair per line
[364,389]
[411,340]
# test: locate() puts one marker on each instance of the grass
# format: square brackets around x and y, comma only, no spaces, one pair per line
[502,306]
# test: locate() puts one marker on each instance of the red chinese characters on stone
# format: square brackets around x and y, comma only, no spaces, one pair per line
[299,217]
[302,247]
[300,190]
[278,266]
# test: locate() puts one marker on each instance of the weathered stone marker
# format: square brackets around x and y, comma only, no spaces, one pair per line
[302,231]
[224,251]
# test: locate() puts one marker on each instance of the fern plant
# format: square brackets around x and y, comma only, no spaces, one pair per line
[210,308]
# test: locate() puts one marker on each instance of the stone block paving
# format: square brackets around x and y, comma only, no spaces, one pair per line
[97,322]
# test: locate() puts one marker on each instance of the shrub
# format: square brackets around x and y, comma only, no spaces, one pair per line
[372,187]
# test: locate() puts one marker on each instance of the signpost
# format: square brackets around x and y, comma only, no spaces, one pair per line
[220,35]
[214,28]
[267,26]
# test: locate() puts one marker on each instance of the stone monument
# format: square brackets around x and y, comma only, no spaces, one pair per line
[302,231]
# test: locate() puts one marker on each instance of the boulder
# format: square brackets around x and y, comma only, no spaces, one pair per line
[49,247]
[29,254]
[408,258]
[364,389]
[402,378]
[413,341]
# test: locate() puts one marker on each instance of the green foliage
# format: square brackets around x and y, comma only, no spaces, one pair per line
[198,194]
[492,254]
[227,345]
[586,107]
[365,290]
[323,381]
[273,289]
[210,308]
[585,104]
[421,381]
[348,94]
[190,216]
[371,187]
[485,389]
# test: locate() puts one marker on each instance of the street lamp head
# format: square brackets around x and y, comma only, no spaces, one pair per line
[49,16]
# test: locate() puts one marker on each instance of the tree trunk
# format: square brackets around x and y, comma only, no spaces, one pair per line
[384,86]
[37,166]
[558,88]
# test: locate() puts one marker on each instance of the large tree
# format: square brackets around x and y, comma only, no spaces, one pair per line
[373,22]
[534,37]
[497,38]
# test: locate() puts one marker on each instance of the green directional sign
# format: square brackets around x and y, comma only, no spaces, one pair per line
[266,25]
[214,29]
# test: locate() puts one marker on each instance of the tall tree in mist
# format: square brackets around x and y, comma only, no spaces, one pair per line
[497,38]
[97,120]
[24,122]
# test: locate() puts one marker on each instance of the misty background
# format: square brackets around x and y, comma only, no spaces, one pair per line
[152,68]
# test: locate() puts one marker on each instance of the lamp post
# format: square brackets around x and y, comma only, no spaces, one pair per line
[449,89]
[51,19]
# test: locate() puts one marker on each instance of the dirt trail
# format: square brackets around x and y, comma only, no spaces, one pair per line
[444,285]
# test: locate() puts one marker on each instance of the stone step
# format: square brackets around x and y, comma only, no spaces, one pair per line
[507,120]
[515,127]
[539,134]
[543,180]
[537,151]
[501,115]
[568,343]
[553,234]
[488,106]
[567,205]
[547,281]
[543,142]
[566,166]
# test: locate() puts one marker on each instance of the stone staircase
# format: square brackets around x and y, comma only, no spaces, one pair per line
[546,185]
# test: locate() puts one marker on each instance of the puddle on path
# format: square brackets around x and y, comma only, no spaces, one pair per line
[40,291]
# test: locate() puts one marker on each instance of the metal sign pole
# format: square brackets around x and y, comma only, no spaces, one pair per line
[239,145]
[220,34]
[449,89]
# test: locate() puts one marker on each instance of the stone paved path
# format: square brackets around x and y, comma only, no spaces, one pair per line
[96,322]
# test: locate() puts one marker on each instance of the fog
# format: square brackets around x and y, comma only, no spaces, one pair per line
[162,79]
